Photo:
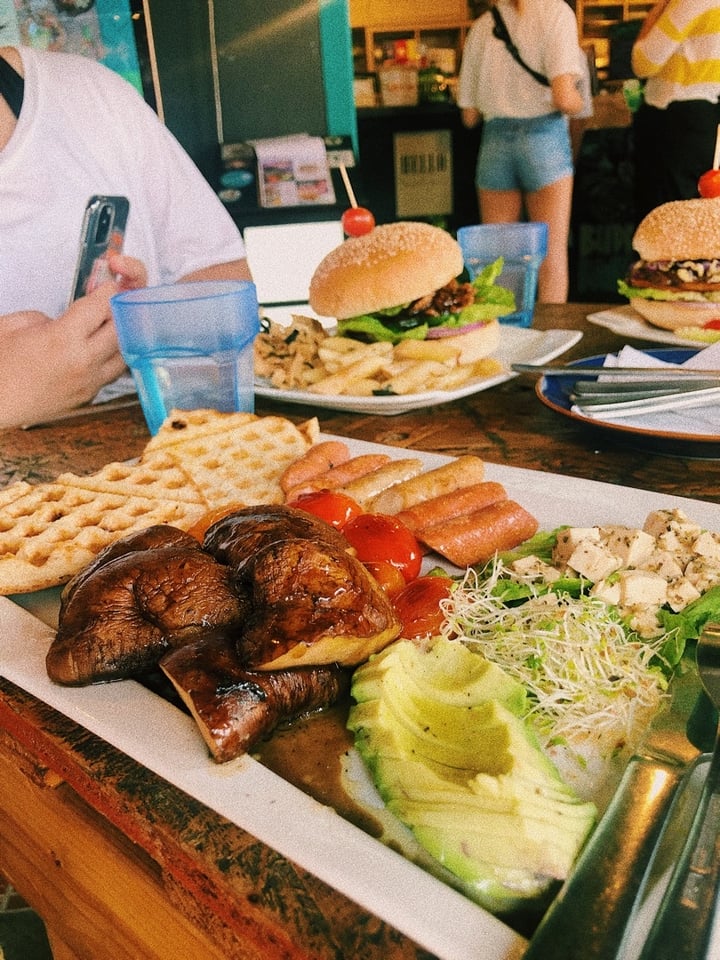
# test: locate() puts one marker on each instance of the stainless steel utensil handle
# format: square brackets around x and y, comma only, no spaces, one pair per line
[683,924]
[588,918]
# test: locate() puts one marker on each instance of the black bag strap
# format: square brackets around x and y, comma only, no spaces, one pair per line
[12,86]
[501,32]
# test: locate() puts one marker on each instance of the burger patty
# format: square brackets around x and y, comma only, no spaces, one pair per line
[452,298]
[700,275]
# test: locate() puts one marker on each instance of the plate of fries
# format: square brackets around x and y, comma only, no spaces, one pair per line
[302,361]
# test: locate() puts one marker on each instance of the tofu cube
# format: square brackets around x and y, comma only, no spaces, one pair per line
[703,573]
[708,545]
[641,588]
[680,593]
[631,545]
[664,563]
[607,590]
[533,568]
[672,529]
[594,561]
[568,540]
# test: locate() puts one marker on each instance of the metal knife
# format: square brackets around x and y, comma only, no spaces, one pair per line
[605,391]
[588,918]
[635,373]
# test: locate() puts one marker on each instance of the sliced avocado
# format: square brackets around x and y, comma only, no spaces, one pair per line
[448,672]
[442,734]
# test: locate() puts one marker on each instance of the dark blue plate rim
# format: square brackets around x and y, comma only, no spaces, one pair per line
[553,392]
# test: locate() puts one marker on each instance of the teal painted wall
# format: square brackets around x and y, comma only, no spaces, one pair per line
[284,66]
[337,68]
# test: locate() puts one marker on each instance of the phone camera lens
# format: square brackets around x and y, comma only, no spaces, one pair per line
[104,223]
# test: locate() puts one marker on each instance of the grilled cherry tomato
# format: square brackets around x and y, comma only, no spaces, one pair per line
[357,221]
[201,525]
[709,184]
[331,506]
[418,606]
[376,537]
[389,577]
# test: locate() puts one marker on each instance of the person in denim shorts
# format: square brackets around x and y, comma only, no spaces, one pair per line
[525,164]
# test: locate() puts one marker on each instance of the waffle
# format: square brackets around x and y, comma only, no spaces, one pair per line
[181,426]
[158,476]
[13,492]
[242,464]
[50,531]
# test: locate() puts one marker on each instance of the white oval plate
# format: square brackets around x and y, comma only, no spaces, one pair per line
[517,345]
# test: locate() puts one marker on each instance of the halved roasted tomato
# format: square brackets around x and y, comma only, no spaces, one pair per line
[378,537]
[331,506]
[418,606]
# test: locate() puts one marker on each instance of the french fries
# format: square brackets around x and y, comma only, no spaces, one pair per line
[305,356]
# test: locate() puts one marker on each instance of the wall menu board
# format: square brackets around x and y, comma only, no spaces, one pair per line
[111,31]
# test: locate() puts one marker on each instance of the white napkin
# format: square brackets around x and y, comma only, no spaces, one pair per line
[695,421]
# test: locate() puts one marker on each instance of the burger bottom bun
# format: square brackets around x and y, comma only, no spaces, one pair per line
[673,314]
[476,344]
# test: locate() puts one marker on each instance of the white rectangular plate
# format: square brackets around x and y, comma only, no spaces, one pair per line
[626,322]
[438,918]
[517,345]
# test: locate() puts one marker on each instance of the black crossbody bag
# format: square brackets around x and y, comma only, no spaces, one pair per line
[12,86]
[501,32]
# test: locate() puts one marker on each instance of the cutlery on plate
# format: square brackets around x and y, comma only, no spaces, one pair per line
[654,403]
[683,924]
[605,391]
[625,373]
[588,918]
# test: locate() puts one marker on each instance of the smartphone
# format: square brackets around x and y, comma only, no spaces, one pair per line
[103,232]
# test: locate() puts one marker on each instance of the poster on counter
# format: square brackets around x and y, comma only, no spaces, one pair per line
[293,171]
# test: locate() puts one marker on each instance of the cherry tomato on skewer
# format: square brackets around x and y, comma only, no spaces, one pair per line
[357,221]
[709,184]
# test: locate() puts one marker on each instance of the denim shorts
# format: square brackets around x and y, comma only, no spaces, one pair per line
[524,154]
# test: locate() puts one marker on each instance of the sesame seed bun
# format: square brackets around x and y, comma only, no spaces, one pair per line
[394,264]
[680,230]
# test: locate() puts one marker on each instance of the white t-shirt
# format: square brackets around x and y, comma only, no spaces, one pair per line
[490,79]
[84,130]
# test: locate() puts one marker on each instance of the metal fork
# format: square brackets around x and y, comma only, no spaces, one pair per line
[684,922]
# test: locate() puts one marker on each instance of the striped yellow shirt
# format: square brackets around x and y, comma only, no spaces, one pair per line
[680,56]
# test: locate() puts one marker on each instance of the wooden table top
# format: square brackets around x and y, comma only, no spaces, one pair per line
[121,864]
[506,424]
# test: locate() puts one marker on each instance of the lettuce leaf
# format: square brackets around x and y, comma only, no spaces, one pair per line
[690,621]
[392,325]
[375,327]
[660,293]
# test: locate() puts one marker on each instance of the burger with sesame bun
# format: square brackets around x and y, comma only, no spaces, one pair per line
[676,283]
[400,282]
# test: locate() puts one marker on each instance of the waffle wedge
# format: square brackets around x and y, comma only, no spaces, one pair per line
[199,461]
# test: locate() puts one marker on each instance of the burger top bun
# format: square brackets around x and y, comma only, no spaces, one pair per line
[680,230]
[674,314]
[395,263]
